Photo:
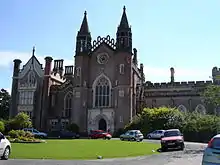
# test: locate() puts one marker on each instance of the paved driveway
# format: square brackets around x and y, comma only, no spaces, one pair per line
[191,156]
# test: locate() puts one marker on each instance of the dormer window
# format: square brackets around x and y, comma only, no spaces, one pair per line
[78,72]
[121,68]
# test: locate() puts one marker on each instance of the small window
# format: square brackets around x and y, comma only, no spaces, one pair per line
[121,68]
[78,71]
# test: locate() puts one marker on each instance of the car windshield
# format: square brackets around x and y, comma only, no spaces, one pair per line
[36,131]
[172,133]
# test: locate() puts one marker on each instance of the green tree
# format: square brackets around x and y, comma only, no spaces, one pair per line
[212,94]
[21,120]
[4,104]
[73,128]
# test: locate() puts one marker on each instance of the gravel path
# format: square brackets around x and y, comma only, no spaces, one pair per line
[191,156]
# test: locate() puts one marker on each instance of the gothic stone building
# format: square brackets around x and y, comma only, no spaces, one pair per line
[102,90]
[186,96]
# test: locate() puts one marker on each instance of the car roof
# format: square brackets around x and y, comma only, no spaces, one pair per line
[217,136]
[172,130]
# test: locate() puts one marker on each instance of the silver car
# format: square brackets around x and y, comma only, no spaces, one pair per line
[211,155]
[157,134]
[132,135]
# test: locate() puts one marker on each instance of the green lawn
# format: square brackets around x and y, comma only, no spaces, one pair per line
[81,149]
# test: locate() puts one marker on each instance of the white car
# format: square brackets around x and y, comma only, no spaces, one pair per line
[157,134]
[5,147]
[211,154]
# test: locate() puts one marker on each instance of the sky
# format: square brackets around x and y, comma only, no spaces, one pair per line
[183,34]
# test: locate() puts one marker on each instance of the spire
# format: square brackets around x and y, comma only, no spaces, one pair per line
[83,39]
[33,51]
[124,21]
[84,29]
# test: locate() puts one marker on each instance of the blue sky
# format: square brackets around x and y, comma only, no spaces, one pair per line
[183,34]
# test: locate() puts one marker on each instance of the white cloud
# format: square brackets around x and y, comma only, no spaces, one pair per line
[7,58]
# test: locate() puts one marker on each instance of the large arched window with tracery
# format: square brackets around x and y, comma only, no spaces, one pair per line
[67,104]
[102,93]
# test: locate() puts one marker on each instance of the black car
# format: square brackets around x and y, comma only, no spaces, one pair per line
[64,134]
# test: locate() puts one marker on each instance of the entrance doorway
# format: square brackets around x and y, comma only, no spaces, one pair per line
[102,124]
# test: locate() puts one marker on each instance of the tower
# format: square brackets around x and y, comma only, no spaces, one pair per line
[81,77]
[83,39]
[14,93]
[124,75]
[124,35]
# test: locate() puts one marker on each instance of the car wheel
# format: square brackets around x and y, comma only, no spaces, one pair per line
[163,149]
[182,147]
[133,139]
[6,154]
[122,139]
[148,136]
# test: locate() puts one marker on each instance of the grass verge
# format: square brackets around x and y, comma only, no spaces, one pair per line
[81,149]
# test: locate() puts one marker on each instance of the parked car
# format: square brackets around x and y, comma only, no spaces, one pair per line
[132,135]
[36,133]
[157,134]
[211,153]
[5,150]
[64,134]
[172,138]
[98,134]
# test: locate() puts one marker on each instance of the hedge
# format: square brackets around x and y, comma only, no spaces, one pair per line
[195,126]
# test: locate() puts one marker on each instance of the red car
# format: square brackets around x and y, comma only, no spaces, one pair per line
[98,134]
[172,138]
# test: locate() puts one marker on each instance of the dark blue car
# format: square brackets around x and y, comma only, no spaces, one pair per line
[63,134]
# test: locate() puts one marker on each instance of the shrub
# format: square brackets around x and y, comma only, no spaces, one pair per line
[73,128]
[157,118]
[195,126]
[29,134]
[18,133]
[2,126]
[13,134]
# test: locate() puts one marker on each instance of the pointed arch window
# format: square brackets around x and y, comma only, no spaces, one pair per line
[67,105]
[102,93]
[182,108]
[121,68]
[78,72]
[200,109]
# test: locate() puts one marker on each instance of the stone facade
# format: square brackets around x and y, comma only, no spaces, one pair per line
[104,90]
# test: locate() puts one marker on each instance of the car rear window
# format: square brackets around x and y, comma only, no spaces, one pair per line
[172,133]
[216,143]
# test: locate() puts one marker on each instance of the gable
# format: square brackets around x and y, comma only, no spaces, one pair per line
[32,64]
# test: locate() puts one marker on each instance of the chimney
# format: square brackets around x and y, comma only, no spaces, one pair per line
[17,63]
[48,62]
[135,56]
[68,71]
[58,66]
[172,75]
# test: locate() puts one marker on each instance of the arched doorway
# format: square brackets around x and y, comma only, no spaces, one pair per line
[102,124]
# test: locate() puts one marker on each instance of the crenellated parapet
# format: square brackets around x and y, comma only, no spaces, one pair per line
[107,40]
[178,84]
